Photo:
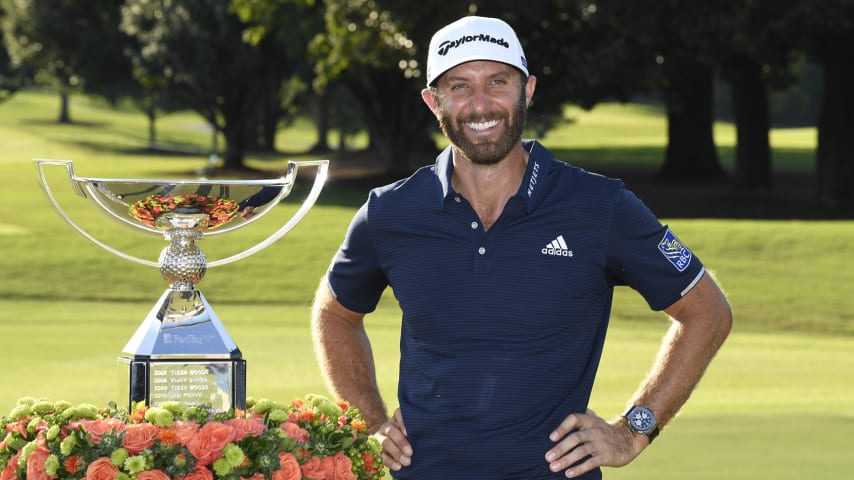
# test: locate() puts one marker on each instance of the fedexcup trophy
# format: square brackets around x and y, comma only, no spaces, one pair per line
[181,351]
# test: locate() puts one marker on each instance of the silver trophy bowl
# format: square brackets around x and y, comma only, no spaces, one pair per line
[181,351]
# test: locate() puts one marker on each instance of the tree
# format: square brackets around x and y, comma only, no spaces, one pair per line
[10,78]
[826,30]
[199,49]
[293,23]
[68,45]
[676,40]
[758,56]
[373,48]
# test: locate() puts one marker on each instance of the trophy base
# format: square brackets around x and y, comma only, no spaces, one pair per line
[182,353]
[218,383]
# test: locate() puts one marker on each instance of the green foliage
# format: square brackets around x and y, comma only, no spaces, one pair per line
[67,44]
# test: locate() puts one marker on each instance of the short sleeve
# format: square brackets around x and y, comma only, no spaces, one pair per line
[355,276]
[648,256]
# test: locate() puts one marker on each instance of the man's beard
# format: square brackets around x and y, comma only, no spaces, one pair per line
[492,152]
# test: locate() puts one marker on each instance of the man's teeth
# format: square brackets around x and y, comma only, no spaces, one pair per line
[481,126]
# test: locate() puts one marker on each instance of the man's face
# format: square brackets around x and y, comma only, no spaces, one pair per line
[482,109]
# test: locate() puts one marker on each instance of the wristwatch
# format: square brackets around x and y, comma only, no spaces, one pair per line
[641,420]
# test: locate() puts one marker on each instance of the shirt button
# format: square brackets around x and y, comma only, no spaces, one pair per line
[481,250]
[474,225]
[457,199]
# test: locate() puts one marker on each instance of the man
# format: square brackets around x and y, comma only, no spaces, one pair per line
[504,261]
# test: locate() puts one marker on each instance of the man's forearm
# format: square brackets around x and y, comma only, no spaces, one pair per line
[697,332]
[346,360]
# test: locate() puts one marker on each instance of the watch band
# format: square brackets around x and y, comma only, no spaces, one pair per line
[652,434]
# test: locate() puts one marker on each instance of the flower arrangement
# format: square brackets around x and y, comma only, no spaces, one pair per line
[220,210]
[314,438]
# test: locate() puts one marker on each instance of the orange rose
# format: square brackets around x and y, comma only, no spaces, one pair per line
[185,430]
[35,463]
[289,468]
[102,469]
[139,436]
[200,473]
[152,475]
[246,426]
[343,468]
[292,430]
[319,469]
[97,428]
[207,445]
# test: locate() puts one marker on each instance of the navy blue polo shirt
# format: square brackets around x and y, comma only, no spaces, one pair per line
[502,330]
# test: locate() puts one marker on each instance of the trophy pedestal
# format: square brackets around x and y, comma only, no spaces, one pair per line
[181,352]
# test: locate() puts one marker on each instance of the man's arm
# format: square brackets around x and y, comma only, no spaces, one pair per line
[347,363]
[344,353]
[701,321]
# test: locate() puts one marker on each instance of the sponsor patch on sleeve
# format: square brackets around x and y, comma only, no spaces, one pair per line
[674,251]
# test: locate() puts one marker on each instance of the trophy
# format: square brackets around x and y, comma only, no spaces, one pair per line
[181,351]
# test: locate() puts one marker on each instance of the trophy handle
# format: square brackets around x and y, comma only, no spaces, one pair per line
[79,190]
[316,187]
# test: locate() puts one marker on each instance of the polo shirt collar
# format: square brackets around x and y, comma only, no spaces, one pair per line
[534,184]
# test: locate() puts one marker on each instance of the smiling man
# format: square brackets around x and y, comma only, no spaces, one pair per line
[504,261]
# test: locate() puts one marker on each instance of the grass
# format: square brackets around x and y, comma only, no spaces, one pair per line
[777,402]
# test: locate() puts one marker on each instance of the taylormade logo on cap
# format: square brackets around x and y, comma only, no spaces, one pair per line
[483,37]
[474,38]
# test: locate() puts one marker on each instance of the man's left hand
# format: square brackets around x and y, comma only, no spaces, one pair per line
[586,441]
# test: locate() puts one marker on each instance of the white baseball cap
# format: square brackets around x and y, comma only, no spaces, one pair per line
[474,38]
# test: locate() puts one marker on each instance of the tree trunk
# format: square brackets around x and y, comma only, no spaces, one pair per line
[235,145]
[691,153]
[64,115]
[396,119]
[750,106]
[151,113]
[835,152]
[270,123]
[320,101]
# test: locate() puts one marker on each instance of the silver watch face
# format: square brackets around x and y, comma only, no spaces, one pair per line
[641,419]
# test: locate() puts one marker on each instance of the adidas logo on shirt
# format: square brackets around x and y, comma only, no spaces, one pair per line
[557,247]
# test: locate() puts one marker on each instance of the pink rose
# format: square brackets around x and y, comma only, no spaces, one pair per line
[319,469]
[246,426]
[208,443]
[20,426]
[152,475]
[185,430]
[292,430]
[102,469]
[139,436]
[289,468]
[35,463]
[343,468]
[97,428]
[200,473]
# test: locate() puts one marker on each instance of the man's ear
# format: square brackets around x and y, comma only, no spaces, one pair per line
[430,99]
[530,86]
